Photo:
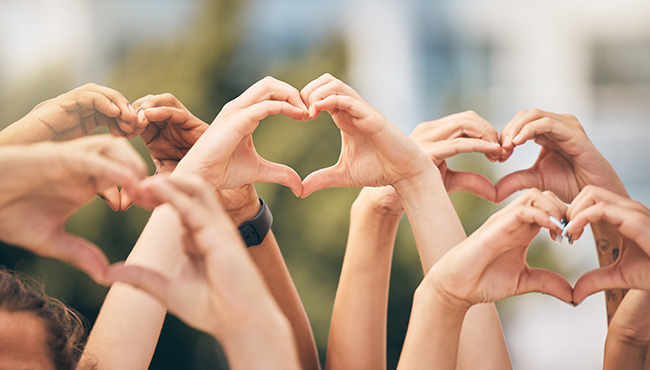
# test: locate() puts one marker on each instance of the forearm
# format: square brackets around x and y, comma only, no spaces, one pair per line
[268,258]
[627,345]
[432,338]
[437,228]
[264,342]
[128,326]
[608,244]
[357,338]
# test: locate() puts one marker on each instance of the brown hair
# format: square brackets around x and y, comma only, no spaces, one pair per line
[64,327]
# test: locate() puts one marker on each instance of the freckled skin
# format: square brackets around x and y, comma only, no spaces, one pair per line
[22,342]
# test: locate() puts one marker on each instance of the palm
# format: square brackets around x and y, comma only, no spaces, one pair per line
[168,142]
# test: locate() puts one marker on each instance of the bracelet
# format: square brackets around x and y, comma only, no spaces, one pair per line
[254,231]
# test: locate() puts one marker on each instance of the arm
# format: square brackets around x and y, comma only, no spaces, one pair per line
[215,286]
[171,131]
[242,204]
[357,338]
[627,345]
[375,153]
[488,266]
[567,163]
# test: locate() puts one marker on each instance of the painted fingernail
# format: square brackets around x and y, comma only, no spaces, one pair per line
[556,222]
[566,227]
[570,239]
[558,238]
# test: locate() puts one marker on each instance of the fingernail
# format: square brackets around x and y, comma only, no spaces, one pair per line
[570,239]
[516,139]
[507,141]
[556,222]
[558,238]
[566,227]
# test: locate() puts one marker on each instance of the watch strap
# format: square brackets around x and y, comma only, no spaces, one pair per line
[254,231]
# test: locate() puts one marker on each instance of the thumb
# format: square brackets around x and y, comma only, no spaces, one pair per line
[596,280]
[150,281]
[322,179]
[470,182]
[280,174]
[112,197]
[520,180]
[80,253]
[547,282]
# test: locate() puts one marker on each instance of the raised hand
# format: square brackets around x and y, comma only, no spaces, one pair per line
[171,129]
[373,151]
[464,132]
[74,114]
[48,182]
[491,263]
[216,287]
[632,220]
[225,155]
[567,163]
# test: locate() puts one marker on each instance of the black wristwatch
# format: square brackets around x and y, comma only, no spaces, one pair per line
[254,231]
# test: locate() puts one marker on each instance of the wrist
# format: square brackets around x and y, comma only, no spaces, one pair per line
[420,185]
[383,202]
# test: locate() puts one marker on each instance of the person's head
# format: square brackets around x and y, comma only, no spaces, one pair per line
[36,331]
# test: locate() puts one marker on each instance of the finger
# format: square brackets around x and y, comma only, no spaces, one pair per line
[441,150]
[150,281]
[126,201]
[159,100]
[591,195]
[307,91]
[520,180]
[252,115]
[128,113]
[512,128]
[120,151]
[547,282]
[355,108]
[267,89]
[631,224]
[280,174]
[464,124]
[111,196]
[78,252]
[333,176]
[333,88]
[596,280]
[474,183]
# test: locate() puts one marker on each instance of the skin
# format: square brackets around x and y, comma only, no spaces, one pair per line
[76,114]
[358,330]
[216,287]
[628,337]
[130,321]
[567,163]
[375,153]
[488,266]
[23,342]
[51,181]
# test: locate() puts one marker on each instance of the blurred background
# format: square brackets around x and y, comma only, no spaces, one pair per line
[413,60]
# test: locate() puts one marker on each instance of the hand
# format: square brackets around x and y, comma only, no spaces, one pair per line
[464,132]
[632,220]
[491,263]
[567,163]
[74,114]
[48,182]
[171,129]
[225,155]
[216,281]
[373,151]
